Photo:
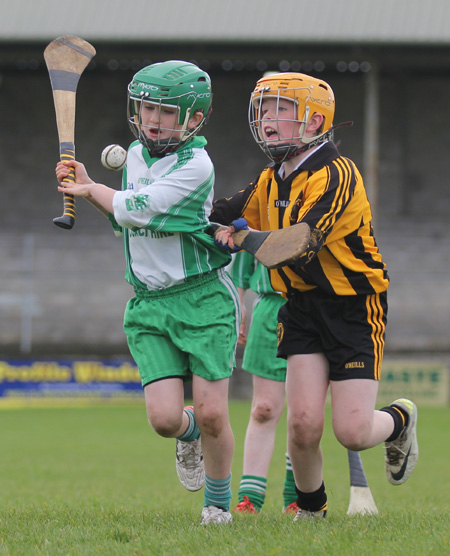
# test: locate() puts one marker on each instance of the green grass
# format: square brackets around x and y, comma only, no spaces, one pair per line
[99,481]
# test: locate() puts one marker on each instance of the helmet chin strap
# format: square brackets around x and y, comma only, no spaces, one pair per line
[311,142]
[156,151]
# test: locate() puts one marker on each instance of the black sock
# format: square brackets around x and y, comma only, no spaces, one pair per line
[401,420]
[312,501]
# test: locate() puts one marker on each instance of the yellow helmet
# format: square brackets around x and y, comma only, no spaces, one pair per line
[310,96]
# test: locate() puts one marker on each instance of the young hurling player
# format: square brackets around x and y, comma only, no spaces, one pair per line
[332,328]
[181,323]
[269,375]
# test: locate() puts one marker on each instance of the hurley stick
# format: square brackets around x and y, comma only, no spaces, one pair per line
[273,249]
[361,499]
[66,59]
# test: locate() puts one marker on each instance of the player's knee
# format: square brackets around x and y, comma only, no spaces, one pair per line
[210,421]
[352,436]
[166,425]
[263,412]
[305,431]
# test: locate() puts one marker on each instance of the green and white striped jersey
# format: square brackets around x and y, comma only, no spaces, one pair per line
[163,211]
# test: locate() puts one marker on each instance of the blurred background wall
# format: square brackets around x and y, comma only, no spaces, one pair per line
[63,292]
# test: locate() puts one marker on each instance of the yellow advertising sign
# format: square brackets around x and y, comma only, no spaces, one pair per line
[48,382]
[425,382]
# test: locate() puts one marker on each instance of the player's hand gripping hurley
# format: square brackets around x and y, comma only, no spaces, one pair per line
[66,58]
[273,249]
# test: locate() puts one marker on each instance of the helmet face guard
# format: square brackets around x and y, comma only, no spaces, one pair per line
[309,96]
[175,85]
[177,136]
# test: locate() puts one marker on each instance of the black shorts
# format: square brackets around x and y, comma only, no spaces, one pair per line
[348,330]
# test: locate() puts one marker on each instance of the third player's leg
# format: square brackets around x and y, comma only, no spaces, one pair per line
[267,407]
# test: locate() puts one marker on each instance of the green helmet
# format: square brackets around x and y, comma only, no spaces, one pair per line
[177,84]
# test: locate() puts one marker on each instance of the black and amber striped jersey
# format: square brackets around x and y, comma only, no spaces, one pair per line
[328,193]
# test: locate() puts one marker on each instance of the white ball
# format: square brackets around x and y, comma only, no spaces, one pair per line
[114,157]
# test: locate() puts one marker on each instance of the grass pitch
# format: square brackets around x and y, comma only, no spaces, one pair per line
[97,480]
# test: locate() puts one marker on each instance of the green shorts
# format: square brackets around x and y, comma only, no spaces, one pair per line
[185,330]
[260,354]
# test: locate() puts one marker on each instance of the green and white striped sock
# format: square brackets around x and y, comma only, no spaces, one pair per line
[192,432]
[255,488]
[289,494]
[218,493]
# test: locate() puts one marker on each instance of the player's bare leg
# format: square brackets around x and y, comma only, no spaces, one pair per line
[164,401]
[211,414]
[267,407]
[212,417]
[358,426]
[306,390]
[356,423]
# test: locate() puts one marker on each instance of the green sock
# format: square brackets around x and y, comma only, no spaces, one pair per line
[218,493]
[289,494]
[192,432]
[255,488]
